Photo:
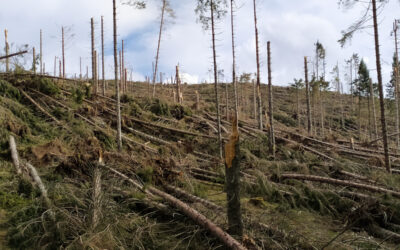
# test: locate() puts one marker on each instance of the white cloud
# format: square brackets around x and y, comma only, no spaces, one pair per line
[292,27]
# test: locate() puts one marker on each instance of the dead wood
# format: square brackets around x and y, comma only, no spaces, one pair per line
[14,155]
[341,183]
[14,54]
[200,219]
[39,107]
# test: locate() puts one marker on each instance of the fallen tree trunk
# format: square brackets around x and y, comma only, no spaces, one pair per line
[341,183]
[14,54]
[39,107]
[200,219]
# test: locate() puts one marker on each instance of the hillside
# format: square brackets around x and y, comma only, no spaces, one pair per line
[320,191]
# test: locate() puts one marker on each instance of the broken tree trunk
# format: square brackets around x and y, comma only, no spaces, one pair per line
[96,196]
[12,55]
[34,61]
[164,5]
[371,91]
[200,219]
[41,52]
[39,107]
[39,183]
[341,183]
[232,169]
[14,155]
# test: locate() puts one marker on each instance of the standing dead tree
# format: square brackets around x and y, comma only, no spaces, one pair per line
[41,52]
[270,104]
[34,61]
[7,50]
[63,52]
[232,156]
[217,9]
[118,106]
[348,35]
[309,125]
[93,56]
[178,86]
[102,56]
[396,82]
[258,79]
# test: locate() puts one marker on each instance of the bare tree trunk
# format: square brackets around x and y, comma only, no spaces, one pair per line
[96,197]
[80,68]
[255,100]
[7,50]
[232,168]
[96,78]
[309,126]
[178,86]
[298,106]
[41,52]
[63,52]
[93,57]
[270,102]
[55,66]
[396,85]
[119,134]
[380,86]
[123,80]
[102,56]
[216,78]
[34,61]
[14,155]
[371,91]
[259,103]
[60,68]
[159,44]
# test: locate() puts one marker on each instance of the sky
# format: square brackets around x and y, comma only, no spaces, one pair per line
[292,26]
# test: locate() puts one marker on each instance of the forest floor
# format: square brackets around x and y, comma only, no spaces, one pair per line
[319,192]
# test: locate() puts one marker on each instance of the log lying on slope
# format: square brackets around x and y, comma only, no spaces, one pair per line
[200,219]
[14,155]
[341,183]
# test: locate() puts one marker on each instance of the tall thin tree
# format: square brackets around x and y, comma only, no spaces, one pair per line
[41,52]
[118,106]
[7,50]
[270,104]
[102,56]
[258,79]
[93,56]
[309,125]
[63,52]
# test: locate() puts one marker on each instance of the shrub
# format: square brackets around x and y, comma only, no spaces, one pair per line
[9,91]
[45,86]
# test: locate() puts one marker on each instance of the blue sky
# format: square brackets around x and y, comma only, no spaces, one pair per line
[292,26]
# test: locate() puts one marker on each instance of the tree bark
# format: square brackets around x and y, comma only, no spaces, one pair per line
[396,84]
[93,57]
[216,79]
[380,86]
[234,81]
[102,56]
[270,102]
[309,125]
[259,103]
[14,155]
[34,61]
[63,52]
[41,52]
[118,106]
[7,50]
[159,45]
